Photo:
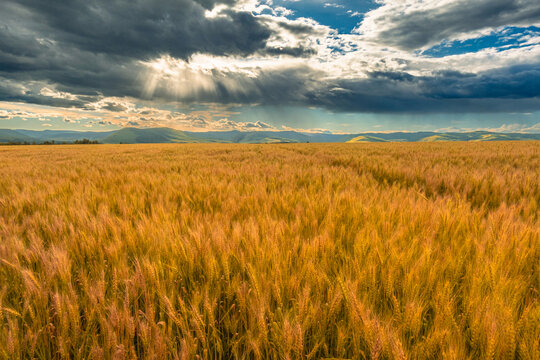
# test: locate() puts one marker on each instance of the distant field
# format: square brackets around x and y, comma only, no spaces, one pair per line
[292,251]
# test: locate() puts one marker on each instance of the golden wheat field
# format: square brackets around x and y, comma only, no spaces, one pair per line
[292,251]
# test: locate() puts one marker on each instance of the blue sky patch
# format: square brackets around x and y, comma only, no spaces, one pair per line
[507,38]
[342,15]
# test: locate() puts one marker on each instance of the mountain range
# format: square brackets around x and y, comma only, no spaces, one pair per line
[167,135]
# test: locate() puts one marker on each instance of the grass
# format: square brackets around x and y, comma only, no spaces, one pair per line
[292,251]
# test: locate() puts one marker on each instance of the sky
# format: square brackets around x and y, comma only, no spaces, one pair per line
[342,66]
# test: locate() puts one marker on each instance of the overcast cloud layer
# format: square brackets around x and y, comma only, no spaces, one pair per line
[126,55]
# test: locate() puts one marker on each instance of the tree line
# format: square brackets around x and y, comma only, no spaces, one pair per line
[52,142]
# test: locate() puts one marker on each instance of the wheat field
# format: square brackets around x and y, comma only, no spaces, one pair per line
[290,251]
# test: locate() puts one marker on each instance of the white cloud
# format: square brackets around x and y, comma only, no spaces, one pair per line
[417,24]
[57,94]
[334,5]
[5,114]
[505,128]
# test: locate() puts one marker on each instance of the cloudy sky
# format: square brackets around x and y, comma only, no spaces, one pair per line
[314,65]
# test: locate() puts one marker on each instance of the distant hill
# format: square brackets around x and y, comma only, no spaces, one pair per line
[366,138]
[63,135]
[167,135]
[150,135]
[480,136]
[250,137]
[7,136]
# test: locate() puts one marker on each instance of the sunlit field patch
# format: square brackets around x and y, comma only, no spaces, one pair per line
[293,251]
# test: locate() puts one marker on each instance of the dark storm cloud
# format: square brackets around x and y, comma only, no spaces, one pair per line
[94,48]
[299,29]
[83,51]
[515,82]
[31,93]
[409,27]
[140,28]
[298,51]
[512,89]
[284,85]
[87,75]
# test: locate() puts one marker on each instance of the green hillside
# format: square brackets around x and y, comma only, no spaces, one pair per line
[150,135]
[65,135]
[167,135]
[7,136]
[480,136]
[250,137]
[366,138]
